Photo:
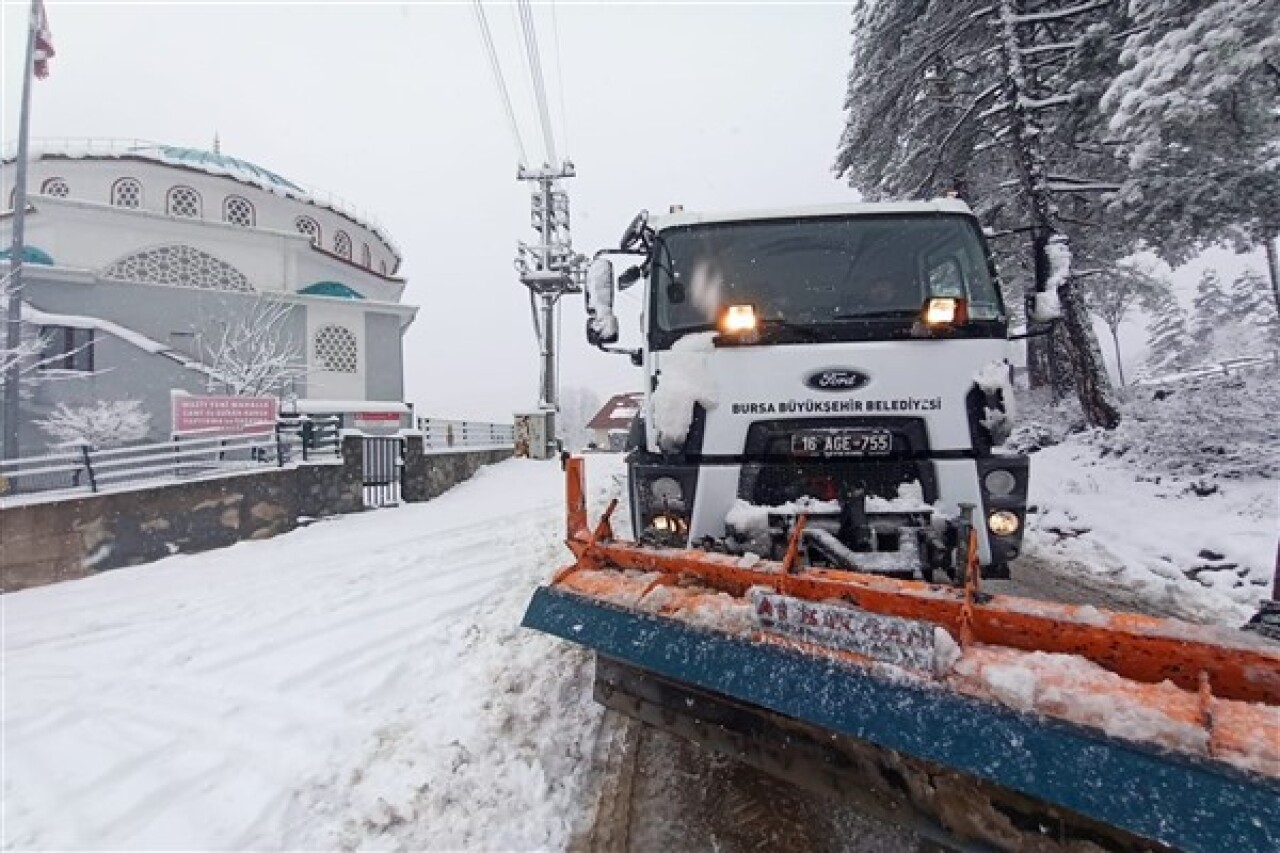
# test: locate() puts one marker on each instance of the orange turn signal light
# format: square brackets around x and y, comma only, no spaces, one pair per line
[946,311]
[738,319]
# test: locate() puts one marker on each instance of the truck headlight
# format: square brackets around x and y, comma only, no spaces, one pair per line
[1003,523]
[1000,482]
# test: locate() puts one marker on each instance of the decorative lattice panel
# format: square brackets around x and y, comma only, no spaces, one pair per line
[307,225]
[126,192]
[342,244]
[181,266]
[185,202]
[55,186]
[335,349]
[238,211]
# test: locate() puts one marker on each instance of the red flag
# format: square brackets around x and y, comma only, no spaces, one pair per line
[44,39]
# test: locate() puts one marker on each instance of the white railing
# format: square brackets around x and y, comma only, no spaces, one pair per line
[1222,368]
[184,456]
[441,434]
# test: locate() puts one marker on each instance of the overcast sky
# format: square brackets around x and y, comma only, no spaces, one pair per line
[393,106]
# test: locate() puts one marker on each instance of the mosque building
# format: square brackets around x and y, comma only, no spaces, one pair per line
[141,256]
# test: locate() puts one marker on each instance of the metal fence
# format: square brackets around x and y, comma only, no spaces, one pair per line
[184,456]
[383,470]
[441,434]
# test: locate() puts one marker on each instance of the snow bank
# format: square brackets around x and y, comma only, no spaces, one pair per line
[1203,558]
[685,380]
[354,684]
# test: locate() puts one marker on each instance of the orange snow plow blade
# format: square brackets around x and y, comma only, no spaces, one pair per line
[1154,730]
[1206,661]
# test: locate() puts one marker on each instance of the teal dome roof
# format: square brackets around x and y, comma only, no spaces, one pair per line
[30,254]
[215,161]
[335,289]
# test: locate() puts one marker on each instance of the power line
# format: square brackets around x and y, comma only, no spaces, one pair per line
[535,71]
[498,79]
[564,115]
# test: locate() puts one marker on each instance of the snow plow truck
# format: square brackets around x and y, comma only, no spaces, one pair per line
[817,491]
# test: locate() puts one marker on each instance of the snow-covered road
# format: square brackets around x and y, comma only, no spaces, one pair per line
[362,682]
[358,682]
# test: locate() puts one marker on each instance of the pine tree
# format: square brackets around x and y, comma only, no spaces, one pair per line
[1253,306]
[1213,310]
[1194,113]
[1167,336]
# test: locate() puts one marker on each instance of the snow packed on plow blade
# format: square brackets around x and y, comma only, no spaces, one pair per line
[1164,730]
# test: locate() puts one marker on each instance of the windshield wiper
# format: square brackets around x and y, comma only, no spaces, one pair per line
[875,315]
[806,331]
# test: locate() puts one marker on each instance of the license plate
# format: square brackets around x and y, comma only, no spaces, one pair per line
[842,442]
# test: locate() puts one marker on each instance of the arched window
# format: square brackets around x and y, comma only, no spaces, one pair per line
[366,260]
[180,266]
[382,267]
[342,244]
[55,186]
[237,211]
[184,202]
[335,349]
[126,192]
[307,225]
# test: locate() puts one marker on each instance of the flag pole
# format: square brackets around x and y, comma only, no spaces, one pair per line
[13,325]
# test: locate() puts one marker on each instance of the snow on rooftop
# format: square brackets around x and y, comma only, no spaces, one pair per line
[210,162]
[859,208]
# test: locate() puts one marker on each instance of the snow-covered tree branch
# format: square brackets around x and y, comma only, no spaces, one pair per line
[256,354]
[100,425]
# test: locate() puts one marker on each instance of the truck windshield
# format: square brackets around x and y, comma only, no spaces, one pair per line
[821,272]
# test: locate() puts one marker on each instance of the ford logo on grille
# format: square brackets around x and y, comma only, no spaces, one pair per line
[836,379]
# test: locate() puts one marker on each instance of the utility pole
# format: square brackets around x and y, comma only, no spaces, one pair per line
[550,269]
[9,412]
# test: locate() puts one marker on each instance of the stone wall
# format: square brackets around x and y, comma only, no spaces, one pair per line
[51,541]
[428,474]
[56,540]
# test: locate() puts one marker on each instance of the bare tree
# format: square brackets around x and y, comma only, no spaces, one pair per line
[101,424]
[256,354]
[1113,296]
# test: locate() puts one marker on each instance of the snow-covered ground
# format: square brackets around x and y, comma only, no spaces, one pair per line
[1179,505]
[362,682]
[358,683]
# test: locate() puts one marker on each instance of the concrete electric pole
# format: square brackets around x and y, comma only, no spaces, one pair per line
[550,269]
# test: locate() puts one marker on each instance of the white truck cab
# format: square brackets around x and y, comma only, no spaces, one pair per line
[846,362]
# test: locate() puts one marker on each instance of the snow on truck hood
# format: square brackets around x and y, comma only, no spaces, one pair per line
[859,208]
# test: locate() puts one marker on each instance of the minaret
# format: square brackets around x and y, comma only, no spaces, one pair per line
[217,145]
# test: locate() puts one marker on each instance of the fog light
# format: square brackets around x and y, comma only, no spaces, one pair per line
[1003,523]
[1000,482]
[668,523]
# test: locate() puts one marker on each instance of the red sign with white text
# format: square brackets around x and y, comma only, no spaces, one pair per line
[224,414]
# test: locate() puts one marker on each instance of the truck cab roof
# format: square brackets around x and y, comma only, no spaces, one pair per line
[858,208]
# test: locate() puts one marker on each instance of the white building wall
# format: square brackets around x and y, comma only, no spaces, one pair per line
[82,235]
[325,384]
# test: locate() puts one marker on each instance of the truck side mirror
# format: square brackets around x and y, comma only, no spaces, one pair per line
[629,277]
[602,324]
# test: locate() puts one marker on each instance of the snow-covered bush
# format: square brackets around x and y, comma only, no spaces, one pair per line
[102,424]
[1216,427]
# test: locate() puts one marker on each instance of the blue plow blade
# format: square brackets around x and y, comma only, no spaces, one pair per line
[1185,802]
